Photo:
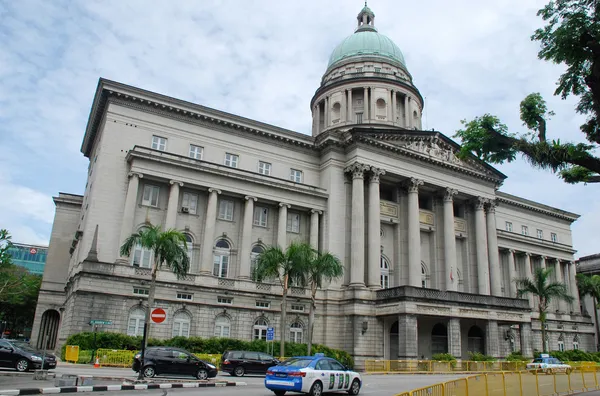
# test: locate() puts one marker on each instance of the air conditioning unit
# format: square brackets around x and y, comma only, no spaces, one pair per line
[185,209]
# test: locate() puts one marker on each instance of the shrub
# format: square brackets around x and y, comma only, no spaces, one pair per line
[443,357]
[516,357]
[480,357]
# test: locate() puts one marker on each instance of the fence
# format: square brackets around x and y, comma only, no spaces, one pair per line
[399,366]
[123,358]
[514,384]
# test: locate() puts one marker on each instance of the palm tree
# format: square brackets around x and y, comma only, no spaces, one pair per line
[590,286]
[321,267]
[546,291]
[287,267]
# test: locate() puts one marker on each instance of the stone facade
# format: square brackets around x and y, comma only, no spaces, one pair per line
[429,245]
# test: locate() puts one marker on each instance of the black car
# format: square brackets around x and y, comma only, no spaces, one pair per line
[238,363]
[21,356]
[169,360]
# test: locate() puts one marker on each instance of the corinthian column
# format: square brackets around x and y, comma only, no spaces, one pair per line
[129,209]
[414,232]
[314,228]
[483,276]
[247,238]
[529,275]
[374,266]
[350,107]
[512,274]
[282,226]
[172,205]
[209,231]
[562,305]
[450,240]
[357,262]
[493,255]
[573,288]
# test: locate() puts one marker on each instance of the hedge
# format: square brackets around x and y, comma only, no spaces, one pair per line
[214,345]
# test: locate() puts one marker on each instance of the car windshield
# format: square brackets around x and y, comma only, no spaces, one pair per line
[296,362]
[24,346]
[538,360]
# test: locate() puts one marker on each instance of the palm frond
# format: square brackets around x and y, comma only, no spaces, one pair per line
[268,264]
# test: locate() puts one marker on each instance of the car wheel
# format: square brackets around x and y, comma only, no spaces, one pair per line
[202,374]
[316,389]
[22,365]
[354,388]
[239,371]
[279,393]
[149,372]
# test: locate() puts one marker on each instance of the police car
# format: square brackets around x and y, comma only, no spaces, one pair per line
[313,375]
[547,364]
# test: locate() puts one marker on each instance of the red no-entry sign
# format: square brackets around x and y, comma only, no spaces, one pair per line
[158,315]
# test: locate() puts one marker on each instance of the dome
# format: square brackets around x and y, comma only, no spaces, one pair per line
[367,43]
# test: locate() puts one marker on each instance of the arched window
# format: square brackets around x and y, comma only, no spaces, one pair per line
[221,258]
[256,251]
[181,324]
[384,265]
[335,112]
[142,257]
[380,111]
[561,343]
[424,276]
[259,330]
[475,339]
[439,339]
[222,326]
[135,324]
[576,342]
[296,332]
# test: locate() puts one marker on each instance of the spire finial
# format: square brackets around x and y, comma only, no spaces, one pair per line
[365,3]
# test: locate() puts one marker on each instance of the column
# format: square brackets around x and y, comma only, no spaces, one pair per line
[314,228]
[406,112]
[318,117]
[372,104]
[450,240]
[357,261]
[454,338]
[374,232]
[573,288]
[493,254]
[562,305]
[512,274]
[483,277]
[414,233]
[529,275]
[526,339]
[408,337]
[209,231]
[173,204]
[543,262]
[129,209]
[393,106]
[492,347]
[366,104]
[282,226]
[327,114]
[344,109]
[350,107]
[246,246]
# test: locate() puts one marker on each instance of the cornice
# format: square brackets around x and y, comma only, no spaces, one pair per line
[530,240]
[522,203]
[69,199]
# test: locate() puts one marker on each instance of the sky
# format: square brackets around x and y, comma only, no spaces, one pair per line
[261,59]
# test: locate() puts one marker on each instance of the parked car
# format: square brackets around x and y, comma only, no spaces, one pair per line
[238,363]
[169,360]
[23,357]
[547,364]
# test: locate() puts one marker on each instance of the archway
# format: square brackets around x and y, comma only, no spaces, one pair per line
[439,339]
[393,342]
[475,340]
[48,330]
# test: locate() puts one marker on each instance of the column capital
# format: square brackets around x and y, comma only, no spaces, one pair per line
[173,182]
[480,202]
[375,174]
[527,254]
[248,198]
[357,169]
[449,194]
[282,204]
[491,205]
[216,190]
[512,251]
[313,211]
[412,184]
[139,175]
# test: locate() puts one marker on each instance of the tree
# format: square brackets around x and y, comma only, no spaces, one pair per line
[169,249]
[545,290]
[5,244]
[571,37]
[590,286]
[288,268]
[321,267]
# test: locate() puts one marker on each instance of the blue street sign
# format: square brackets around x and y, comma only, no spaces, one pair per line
[270,333]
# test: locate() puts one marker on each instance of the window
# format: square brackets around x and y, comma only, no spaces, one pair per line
[359,118]
[224,300]
[297,308]
[181,324]
[509,226]
[553,237]
[260,216]
[385,273]
[140,291]
[296,175]
[293,222]
[135,324]
[221,258]
[377,69]
[196,152]
[259,330]
[264,168]
[185,296]
[424,276]
[296,332]
[150,197]
[159,143]
[189,203]
[576,343]
[263,304]
[231,160]
[190,248]
[540,234]
[222,326]
[141,257]
[226,210]
[256,251]
[561,345]
[524,230]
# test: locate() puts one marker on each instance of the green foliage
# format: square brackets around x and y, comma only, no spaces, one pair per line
[485,137]
[576,356]
[443,357]
[480,357]
[5,244]
[516,357]
[534,112]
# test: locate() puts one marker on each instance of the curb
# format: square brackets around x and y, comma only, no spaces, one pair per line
[430,372]
[115,388]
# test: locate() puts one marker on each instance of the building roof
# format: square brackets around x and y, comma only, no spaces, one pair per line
[536,206]
[367,43]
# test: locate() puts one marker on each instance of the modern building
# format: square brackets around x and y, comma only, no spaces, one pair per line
[429,244]
[30,257]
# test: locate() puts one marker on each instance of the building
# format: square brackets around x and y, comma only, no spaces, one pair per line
[429,244]
[589,265]
[30,257]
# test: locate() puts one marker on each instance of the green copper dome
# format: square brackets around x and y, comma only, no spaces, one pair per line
[366,43]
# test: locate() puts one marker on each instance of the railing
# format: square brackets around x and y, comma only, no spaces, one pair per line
[124,358]
[429,366]
[513,384]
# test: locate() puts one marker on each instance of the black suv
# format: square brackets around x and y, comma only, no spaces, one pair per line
[169,360]
[238,363]
[20,355]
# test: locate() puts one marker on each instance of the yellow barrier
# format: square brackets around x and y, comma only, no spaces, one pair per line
[72,353]
[399,366]
[115,357]
[519,383]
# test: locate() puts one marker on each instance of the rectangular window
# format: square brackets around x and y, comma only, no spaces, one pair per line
[297,308]
[385,281]
[540,234]
[554,237]
[141,257]
[509,227]
[293,222]
[140,291]
[260,216]
[231,160]
[263,304]
[377,69]
[159,143]
[150,197]
[296,175]
[220,265]
[196,152]
[524,230]
[224,300]
[359,118]
[226,210]
[189,203]
[561,346]
[575,345]
[264,168]
[185,296]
